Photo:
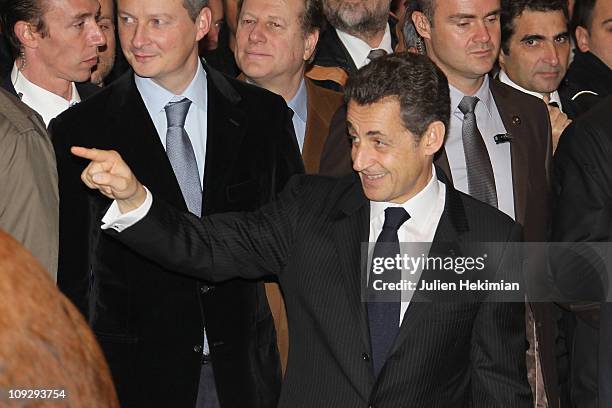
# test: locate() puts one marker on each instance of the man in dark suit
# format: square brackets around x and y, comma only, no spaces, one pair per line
[499,143]
[583,185]
[345,352]
[207,144]
[54,45]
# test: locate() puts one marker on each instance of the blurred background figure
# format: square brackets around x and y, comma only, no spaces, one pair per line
[408,39]
[589,77]
[358,32]
[106,53]
[44,341]
[211,41]
[217,47]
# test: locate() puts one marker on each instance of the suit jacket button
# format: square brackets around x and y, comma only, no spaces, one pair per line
[205,289]
[197,349]
[365,357]
[516,120]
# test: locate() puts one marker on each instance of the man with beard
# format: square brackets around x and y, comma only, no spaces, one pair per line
[357,33]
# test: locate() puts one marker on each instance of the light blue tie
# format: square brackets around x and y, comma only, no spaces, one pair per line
[183,161]
[181,155]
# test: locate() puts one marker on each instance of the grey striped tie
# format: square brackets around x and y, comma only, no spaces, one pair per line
[181,155]
[481,181]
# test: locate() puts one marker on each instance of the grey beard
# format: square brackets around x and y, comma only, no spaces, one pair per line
[365,25]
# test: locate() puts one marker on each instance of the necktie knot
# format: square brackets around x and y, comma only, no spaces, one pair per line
[395,217]
[468,104]
[176,112]
[377,53]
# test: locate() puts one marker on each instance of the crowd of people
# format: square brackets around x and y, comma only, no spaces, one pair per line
[198,178]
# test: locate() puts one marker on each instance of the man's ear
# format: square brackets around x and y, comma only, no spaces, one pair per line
[582,39]
[203,21]
[26,34]
[310,44]
[433,138]
[422,24]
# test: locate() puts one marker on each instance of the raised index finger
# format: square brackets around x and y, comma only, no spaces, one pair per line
[92,154]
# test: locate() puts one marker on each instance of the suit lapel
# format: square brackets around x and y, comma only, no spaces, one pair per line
[316,131]
[350,229]
[511,117]
[226,125]
[132,132]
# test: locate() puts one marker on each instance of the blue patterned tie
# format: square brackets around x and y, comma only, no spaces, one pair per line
[181,155]
[384,309]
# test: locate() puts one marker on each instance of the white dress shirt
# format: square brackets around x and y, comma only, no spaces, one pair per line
[554,96]
[359,49]
[489,124]
[156,97]
[425,211]
[45,103]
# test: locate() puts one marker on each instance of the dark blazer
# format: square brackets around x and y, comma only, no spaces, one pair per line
[588,81]
[583,213]
[334,58]
[149,321]
[446,354]
[526,119]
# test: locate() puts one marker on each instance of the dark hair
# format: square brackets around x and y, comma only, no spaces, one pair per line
[512,9]
[418,84]
[311,18]
[582,16]
[194,7]
[13,11]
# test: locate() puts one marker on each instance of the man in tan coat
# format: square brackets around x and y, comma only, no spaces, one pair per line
[275,40]
[28,181]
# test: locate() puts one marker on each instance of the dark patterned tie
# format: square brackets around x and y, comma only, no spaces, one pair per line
[181,155]
[384,308]
[377,53]
[481,181]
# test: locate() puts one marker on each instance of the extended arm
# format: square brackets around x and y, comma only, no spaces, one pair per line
[216,248]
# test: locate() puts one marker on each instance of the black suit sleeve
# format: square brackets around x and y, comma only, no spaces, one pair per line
[498,350]
[221,246]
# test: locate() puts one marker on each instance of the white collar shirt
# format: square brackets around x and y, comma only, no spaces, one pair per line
[359,49]
[425,210]
[45,103]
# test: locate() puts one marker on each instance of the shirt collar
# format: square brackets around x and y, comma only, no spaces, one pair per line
[24,86]
[419,207]
[299,102]
[554,96]
[359,49]
[483,94]
[157,97]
